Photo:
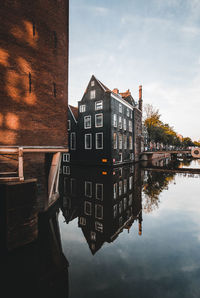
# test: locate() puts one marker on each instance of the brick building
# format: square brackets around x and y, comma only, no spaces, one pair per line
[33,72]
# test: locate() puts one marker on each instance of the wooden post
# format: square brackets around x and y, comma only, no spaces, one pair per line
[20,164]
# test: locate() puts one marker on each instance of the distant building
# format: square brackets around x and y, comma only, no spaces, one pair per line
[109,126]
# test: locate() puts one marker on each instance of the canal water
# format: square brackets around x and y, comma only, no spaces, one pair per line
[116,232]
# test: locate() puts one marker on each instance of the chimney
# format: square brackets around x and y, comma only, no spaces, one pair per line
[116,91]
[140,97]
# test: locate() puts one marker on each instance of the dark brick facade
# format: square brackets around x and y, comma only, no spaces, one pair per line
[33,72]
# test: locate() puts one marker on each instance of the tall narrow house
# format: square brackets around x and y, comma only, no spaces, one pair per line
[108,126]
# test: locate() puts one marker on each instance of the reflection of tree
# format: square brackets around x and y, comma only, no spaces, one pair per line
[156,182]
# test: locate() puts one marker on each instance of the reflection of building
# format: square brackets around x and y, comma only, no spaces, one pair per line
[106,201]
[33,72]
[39,269]
[109,126]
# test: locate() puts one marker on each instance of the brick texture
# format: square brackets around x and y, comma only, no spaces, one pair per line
[33,72]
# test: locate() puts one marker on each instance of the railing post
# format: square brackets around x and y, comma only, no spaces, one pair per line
[20,164]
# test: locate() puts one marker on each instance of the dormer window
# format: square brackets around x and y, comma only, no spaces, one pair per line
[92,83]
[92,94]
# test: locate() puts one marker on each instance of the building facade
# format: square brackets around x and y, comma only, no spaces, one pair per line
[33,72]
[109,126]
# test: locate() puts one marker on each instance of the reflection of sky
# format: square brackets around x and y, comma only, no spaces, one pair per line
[163,262]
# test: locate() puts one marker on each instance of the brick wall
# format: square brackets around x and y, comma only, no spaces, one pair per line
[33,72]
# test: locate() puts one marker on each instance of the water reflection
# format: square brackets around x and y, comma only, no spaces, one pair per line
[39,269]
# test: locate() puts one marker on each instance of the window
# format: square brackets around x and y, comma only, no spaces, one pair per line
[88,189]
[98,211]
[125,185]
[124,124]
[130,182]
[120,122]
[87,122]
[130,125]
[98,120]
[130,199]
[125,203]
[114,120]
[93,236]
[88,141]
[120,207]
[120,157]
[69,125]
[73,186]
[92,83]
[73,141]
[99,191]
[120,108]
[125,142]
[99,140]
[115,211]
[82,221]
[92,94]
[120,141]
[120,188]
[114,140]
[130,143]
[66,170]
[115,190]
[66,157]
[128,112]
[98,105]
[82,108]
[87,208]
[98,226]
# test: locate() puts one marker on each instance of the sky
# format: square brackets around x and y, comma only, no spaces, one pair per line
[153,43]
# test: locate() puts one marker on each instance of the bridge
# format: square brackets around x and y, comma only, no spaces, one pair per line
[157,154]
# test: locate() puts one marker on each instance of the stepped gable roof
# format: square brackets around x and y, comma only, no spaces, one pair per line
[74,111]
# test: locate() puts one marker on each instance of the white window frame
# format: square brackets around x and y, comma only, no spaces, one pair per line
[115,190]
[90,135]
[101,208]
[69,125]
[125,186]
[66,170]
[82,221]
[130,128]
[130,182]
[92,83]
[90,183]
[98,226]
[99,105]
[128,112]
[115,120]
[96,137]
[85,207]
[125,141]
[99,185]
[115,140]
[97,115]
[71,137]
[66,157]
[120,122]
[85,121]
[125,124]
[130,142]
[120,108]
[92,94]
[93,236]
[82,108]
[120,141]
[120,188]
